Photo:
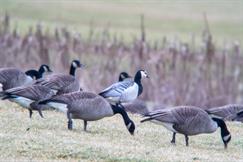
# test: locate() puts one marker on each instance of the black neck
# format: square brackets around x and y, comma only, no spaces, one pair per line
[41,72]
[118,110]
[33,73]
[72,70]
[137,79]
[223,127]
[120,79]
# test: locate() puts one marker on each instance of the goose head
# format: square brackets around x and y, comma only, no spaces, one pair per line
[74,65]
[123,76]
[144,74]
[131,127]
[44,68]
[140,75]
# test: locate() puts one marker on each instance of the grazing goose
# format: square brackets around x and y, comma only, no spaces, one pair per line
[189,121]
[13,77]
[28,96]
[62,83]
[88,107]
[125,91]
[227,112]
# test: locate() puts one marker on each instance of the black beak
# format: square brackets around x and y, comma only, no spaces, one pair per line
[82,66]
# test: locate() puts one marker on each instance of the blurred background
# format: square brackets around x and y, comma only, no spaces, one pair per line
[192,50]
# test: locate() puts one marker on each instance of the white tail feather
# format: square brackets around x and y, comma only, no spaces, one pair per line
[22,101]
[58,106]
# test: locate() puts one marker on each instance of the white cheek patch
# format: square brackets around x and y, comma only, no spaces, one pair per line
[144,74]
[226,138]
[129,125]
[45,68]
[74,64]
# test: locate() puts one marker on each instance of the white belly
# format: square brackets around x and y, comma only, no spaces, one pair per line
[58,106]
[28,81]
[168,126]
[22,101]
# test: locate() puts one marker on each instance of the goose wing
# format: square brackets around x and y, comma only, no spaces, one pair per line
[60,82]
[69,97]
[137,107]
[34,92]
[183,119]
[12,77]
[117,89]
[227,112]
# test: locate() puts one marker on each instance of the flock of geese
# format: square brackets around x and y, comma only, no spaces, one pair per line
[37,92]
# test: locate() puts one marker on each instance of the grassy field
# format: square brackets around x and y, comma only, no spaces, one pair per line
[162,17]
[107,140]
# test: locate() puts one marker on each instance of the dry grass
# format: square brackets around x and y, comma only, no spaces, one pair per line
[108,140]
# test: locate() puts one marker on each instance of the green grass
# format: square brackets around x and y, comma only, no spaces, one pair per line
[162,17]
[107,140]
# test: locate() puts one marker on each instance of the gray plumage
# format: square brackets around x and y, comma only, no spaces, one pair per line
[28,96]
[13,77]
[188,120]
[88,107]
[126,90]
[136,107]
[226,112]
[62,83]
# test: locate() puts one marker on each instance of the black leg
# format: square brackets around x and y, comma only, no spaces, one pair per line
[31,112]
[186,138]
[40,113]
[173,138]
[85,125]
[70,122]
[122,106]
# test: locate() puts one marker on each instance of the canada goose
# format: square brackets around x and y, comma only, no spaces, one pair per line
[188,120]
[13,77]
[28,96]
[125,91]
[226,112]
[88,107]
[62,83]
